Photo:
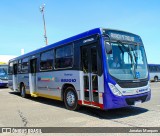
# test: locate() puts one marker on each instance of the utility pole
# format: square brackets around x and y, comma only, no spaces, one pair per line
[45,34]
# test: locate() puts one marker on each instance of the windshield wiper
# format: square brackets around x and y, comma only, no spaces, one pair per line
[131,57]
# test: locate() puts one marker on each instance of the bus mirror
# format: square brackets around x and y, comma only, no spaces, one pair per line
[108,48]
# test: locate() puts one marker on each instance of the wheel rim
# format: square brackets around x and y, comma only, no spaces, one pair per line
[70,98]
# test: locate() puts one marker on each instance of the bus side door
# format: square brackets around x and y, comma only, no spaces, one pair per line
[89,59]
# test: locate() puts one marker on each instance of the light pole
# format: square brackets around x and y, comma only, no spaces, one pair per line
[45,34]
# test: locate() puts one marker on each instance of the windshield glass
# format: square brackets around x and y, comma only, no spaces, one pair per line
[126,61]
[3,72]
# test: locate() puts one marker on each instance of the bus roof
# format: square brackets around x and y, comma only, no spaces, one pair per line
[68,40]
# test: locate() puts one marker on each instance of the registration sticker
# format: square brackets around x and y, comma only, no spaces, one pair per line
[137,102]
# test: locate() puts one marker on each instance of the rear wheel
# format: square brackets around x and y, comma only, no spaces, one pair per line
[23,91]
[155,79]
[71,99]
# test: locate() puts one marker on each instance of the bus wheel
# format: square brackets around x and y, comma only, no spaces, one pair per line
[155,79]
[71,99]
[23,91]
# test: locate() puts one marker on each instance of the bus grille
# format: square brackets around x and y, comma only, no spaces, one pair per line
[132,84]
[130,101]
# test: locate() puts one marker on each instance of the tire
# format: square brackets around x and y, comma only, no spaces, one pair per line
[155,79]
[23,91]
[71,99]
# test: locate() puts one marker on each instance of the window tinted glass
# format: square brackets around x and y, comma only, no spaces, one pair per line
[47,60]
[64,57]
[24,68]
[10,70]
[19,66]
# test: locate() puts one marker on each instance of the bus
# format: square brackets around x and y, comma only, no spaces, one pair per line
[78,71]
[3,75]
[154,71]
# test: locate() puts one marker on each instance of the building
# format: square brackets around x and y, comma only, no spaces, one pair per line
[5,58]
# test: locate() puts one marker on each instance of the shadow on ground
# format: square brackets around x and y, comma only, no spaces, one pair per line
[101,114]
[3,87]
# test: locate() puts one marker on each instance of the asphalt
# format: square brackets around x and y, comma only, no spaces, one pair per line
[40,112]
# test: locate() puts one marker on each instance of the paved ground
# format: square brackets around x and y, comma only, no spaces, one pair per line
[40,112]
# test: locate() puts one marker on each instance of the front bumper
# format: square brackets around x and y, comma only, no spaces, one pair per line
[112,102]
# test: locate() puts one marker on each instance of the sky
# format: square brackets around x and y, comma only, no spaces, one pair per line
[21,24]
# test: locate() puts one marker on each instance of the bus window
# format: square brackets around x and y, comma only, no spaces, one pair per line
[19,66]
[46,62]
[64,57]
[10,70]
[25,65]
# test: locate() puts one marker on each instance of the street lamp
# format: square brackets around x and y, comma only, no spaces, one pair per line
[45,34]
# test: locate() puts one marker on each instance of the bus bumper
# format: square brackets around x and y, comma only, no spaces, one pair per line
[112,102]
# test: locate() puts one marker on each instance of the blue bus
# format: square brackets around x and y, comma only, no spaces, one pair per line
[101,68]
[154,71]
[3,75]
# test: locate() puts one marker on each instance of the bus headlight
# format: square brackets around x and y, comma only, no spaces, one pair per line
[114,90]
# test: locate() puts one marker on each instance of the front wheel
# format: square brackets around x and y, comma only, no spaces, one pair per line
[71,99]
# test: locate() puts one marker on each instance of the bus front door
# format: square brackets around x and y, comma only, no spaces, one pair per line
[15,78]
[32,77]
[89,61]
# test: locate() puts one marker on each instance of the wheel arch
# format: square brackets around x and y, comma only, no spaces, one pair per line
[64,87]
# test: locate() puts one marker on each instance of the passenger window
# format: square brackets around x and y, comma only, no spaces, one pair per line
[10,70]
[24,68]
[64,57]
[46,62]
[19,66]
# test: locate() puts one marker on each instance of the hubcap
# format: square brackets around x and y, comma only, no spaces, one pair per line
[70,98]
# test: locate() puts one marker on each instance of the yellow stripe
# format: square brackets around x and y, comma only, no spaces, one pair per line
[49,96]
[36,94]
[27,92]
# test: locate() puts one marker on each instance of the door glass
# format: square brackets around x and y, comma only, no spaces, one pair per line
[15,69]
[94,59]
[85,60]
[86,87]
[94,79]
[33,66]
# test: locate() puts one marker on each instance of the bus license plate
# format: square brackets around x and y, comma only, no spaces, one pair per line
[137,102]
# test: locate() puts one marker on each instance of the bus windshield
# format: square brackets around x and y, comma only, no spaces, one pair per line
[126,61]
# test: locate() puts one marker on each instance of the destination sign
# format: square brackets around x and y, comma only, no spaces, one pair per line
[122,36]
